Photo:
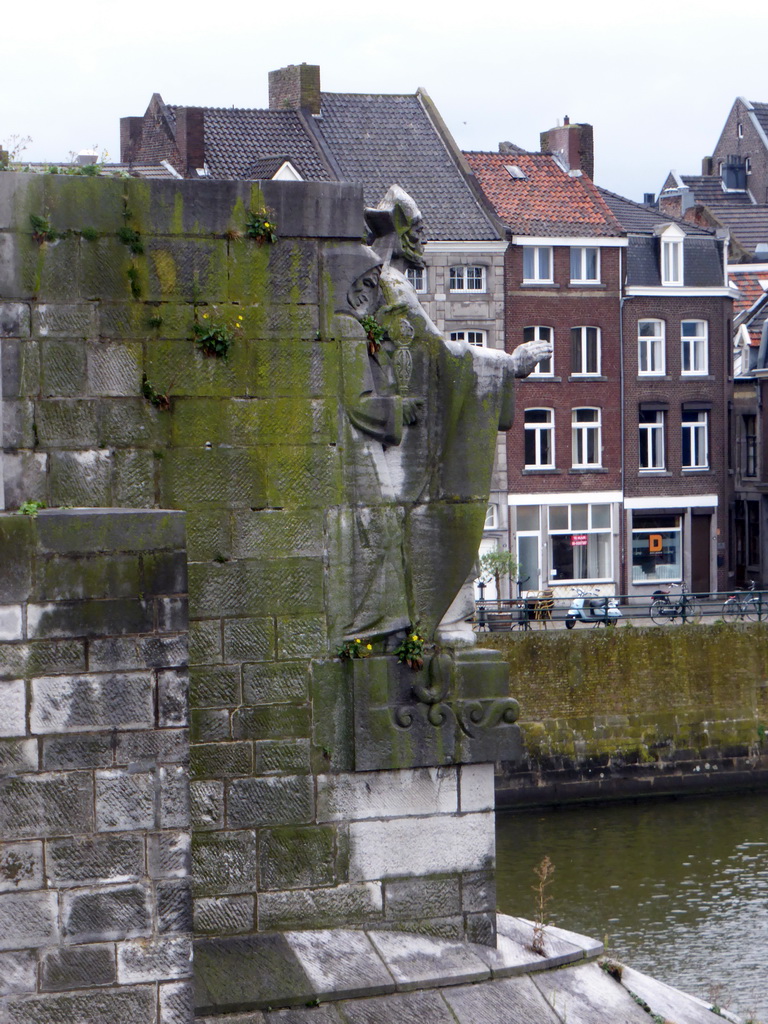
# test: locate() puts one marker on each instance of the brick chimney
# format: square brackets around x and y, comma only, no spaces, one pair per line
[296,87]
[573,145]
[190,138]
[131,129]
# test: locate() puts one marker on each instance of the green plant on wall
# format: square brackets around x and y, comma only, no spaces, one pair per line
[131,238]
[160,399]
[375,332]
[30,508]
[498,563]
[214,337]
[410,651]
[352,649]
[41,229]
[260,225]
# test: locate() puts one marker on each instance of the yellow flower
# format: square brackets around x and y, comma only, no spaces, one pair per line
[357,641]
[414,637]
[239,318]
[205,316]
[368,646]
[267,224]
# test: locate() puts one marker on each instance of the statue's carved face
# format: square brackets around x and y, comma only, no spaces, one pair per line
[363,295]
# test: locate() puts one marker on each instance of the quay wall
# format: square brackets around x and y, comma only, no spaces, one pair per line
[632,712]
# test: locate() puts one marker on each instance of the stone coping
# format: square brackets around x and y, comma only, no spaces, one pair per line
[294,969]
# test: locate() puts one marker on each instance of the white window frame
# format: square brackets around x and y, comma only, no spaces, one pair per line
[591,531]
[694,349]
[533,257]
[583,351]
[546,367]
[543,432]
[417,277]
[695,436]
[467,278]
[651,348]
[579,257]
[671,240]
[655,447]
[582,431]
[472,337]
[492,517]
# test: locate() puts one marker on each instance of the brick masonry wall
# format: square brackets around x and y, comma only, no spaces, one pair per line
[95,905]
[749,145]
[562,307]
[249,448]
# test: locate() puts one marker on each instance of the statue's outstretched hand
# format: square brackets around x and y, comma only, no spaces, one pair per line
[525,357]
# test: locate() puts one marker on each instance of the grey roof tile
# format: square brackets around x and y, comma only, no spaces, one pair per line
[636,217]
[379,141]
[235,139]
[761,113]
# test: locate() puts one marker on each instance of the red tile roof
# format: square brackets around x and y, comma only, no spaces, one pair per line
[747,279]
[547,201]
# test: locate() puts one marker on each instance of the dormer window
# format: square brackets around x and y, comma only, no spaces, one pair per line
[671,240]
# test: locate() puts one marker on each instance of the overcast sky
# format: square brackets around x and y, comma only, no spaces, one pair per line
[655,79]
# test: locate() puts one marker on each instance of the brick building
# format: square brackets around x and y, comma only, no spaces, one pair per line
[563,274]
[749,425]
[618,460]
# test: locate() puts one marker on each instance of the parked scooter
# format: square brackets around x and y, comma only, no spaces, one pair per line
[591,608]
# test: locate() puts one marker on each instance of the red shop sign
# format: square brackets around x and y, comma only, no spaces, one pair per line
[578,540]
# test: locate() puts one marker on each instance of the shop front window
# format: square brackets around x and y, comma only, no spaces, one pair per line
[657,549]
[580,539]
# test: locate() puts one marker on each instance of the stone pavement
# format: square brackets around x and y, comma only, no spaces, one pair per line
[375,977]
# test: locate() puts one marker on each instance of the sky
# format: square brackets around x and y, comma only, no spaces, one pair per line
[656,80]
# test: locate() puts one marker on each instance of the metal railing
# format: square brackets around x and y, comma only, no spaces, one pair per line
[663,606]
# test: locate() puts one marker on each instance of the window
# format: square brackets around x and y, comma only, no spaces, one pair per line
[585,265]
[580,538]
[585,437]
[543,368]
[740,130]
[650,346]
[467,279]
[417,277]
[651,439]
[671,239]
[749,445]
[693,338]
[695,439]
[478,338]
[537,263]
[657,549]
[539,439]
[585,351]
[492,517]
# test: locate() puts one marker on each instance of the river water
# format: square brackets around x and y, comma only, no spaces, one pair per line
[677,889]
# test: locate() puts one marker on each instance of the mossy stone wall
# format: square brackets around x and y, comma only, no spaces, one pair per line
[108,401]
[637,701]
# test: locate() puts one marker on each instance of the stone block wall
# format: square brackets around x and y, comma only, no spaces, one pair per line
[95,905]
[104,286]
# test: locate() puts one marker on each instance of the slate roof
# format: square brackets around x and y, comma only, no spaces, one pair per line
[547,201]
[761,114]
[638,218]
[708,190]
[383,140]
[702,267]
[748,225]
[236,138]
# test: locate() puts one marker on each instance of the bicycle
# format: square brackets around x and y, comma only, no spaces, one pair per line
[684,608]
[745,606]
